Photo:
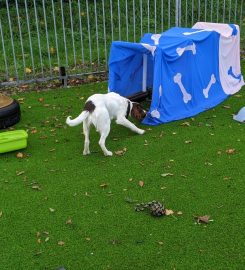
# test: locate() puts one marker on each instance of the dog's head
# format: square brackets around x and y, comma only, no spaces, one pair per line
[137,111]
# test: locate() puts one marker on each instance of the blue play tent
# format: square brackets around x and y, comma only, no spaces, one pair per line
[188,69]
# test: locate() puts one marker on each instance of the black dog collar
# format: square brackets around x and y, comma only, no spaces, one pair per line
[128,110]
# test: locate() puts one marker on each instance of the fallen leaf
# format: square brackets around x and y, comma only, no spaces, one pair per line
[52,50]
[87,238]
[203,219]
[19,155]
[56,69]
[34,131]
[46,239]
[121,152]
[18,173]
[188,141]
[28,70]
[187,124]
[230,151]
[160,243]
[61,243]
[169,212]
[166,174]
[41,99]
[90,77]
[51,210]
[179,213]
[1,214]
[103,185]
[36,187]
[69,221]
[141,183]
[226,106]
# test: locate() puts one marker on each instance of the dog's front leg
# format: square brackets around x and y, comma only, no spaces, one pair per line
[126,123]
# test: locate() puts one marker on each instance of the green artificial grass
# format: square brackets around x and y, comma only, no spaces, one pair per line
[54,193]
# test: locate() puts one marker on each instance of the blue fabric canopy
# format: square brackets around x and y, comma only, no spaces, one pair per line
[182,68]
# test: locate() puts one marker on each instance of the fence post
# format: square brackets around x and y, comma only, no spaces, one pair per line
[177,13]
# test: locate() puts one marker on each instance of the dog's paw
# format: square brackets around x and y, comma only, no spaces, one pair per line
[141,131]
[85,153]
[108,154]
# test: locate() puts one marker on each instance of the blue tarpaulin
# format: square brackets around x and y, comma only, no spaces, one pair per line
[188,69]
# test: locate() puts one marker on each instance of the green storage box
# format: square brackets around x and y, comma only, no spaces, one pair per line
[13,140]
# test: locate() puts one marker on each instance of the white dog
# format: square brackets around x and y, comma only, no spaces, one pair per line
[99,110]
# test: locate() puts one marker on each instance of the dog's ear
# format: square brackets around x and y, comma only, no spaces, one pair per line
[137,112]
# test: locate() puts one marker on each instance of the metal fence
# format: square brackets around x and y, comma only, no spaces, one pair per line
[37,37]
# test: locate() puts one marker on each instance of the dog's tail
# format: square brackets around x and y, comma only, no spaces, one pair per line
[78,120]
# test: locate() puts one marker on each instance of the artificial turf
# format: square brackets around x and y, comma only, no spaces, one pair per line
[59,208]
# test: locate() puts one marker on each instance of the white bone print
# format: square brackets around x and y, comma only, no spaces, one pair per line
[192,48]
[156,38]
[207,89]
[186,96]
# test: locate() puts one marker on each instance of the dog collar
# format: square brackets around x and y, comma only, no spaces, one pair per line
[128,110]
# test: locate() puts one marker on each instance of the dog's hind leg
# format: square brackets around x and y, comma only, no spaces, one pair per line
[103,135]
[86,129]
[126,123]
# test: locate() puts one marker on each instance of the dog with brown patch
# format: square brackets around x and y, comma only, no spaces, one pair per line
[99,110]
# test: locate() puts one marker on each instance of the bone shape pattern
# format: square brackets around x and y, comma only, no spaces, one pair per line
[181,50]
[196,32]
[207,89]
[186,96]
[155,38]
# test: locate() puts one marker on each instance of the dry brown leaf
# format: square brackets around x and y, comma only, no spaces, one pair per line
[34,131]
[61,243]
[179,213]
[36,187]
[19,155]
[141,183]
[187,124]
[69,221]
[226,106]
[203,219]
[103,185]
[169,212]
[19,172]
[166,174]
[121,152]
[28,70]
[230,151]
[41,99]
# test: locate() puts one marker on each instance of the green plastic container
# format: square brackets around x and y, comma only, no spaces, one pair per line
[13,140]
